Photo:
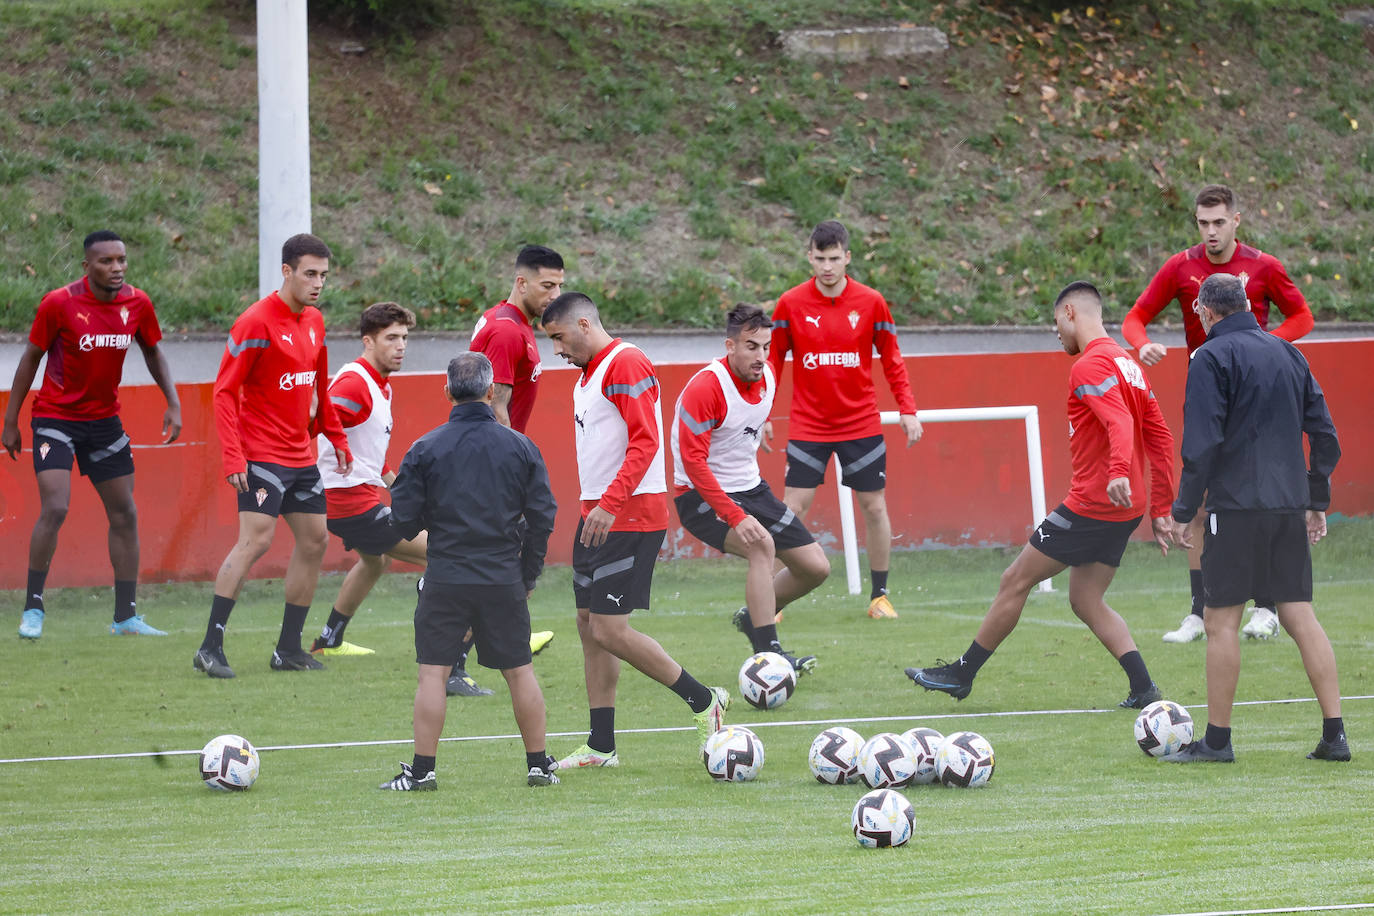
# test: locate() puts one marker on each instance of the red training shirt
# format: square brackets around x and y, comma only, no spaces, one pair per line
[274,361]
[86,340]
[647,511]
[1114,425]
[1265,281]
[345,392]
[504,334]
[833,396]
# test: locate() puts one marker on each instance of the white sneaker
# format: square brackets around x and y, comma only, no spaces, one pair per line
[1263,624]
[1189,630]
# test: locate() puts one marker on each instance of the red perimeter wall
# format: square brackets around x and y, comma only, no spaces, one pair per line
[963,484]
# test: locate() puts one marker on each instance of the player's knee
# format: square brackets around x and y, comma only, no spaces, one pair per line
[52,515]
[817,569]
[123,519]
[762,549]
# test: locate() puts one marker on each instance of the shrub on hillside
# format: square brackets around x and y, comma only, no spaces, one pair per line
[382,16]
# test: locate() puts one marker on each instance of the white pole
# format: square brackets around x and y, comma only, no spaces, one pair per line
[1029,413]
[283,133]
[847,536]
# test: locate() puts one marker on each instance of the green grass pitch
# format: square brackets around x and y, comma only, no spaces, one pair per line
[1075,820]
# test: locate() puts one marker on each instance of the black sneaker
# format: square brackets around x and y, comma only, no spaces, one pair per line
[461,685]
[801,664]
[543,776]
[742,622]
[1142,699]
[1332,750]
[405,781]
[943,678]
[294,660]
[212,662]
[1201,752]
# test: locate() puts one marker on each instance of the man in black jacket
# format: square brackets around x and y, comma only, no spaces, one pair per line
[1250,398]
[468,483]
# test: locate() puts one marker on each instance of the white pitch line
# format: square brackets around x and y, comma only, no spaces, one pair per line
[1283,909]
[383,742]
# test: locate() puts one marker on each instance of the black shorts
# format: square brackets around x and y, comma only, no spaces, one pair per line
[1076,540]
[1255,554]
[863,463]
[368,532]
[497,614]
[277,490]
[616,577]
[705,525]
[101,447]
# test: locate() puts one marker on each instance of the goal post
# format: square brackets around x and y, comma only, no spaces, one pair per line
[1027,413]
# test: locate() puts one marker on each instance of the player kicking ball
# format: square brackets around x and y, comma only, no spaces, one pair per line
[1114,424]
[721,498]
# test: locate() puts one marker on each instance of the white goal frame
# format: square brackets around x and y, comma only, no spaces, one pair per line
[1027,412]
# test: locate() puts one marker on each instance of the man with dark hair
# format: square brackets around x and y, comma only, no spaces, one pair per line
[1250,399]
[1265,282]
[355,513]
[505,333]
[832,323]
[85,329]
[1114,425]
[624,516]
[721,498]
[274,366]
[468,483]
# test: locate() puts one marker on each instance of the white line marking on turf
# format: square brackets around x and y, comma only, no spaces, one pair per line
[1284,909]
[383,742]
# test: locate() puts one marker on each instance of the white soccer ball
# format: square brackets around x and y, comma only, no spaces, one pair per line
[734,754]
[886,761]
[883,817]
[834,756]
[229,762]
[1162,728]
[964,760]
[766,680]
[925,744]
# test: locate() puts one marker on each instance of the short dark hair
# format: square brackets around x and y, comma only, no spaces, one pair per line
[537,257]
[1224,294]
[98,236]
[744,317]
[1076,287]
[381,315]
[300,245]
[829,234]
[469,376]
[572,305]
[1216,195]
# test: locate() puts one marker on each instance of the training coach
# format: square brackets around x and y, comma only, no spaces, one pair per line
[468,483]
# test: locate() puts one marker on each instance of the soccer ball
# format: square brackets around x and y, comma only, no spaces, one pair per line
[925,742]
[766,680]
[964,759]
[834,756]
[1162,728]
[885,761]
[230,763]
[883,817]
[734,754]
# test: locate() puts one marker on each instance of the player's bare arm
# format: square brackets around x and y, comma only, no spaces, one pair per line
[1152,353]
[24,374]
[500,402]
[156,361]
[911,428]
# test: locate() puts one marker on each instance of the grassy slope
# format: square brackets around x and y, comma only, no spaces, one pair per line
[1075,819]
[679,159]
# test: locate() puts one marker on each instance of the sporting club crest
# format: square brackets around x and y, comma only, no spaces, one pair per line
[43,450]
[260,496]
[124,315]
[853,319]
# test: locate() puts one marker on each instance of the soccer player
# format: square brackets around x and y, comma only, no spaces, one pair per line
[1114,424]
[1250,398]
[469,482]
[274,364]
[354,511]
[1266,282]
[505,334]
[722,500]
[624,516]
[832,323]
[85,329]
